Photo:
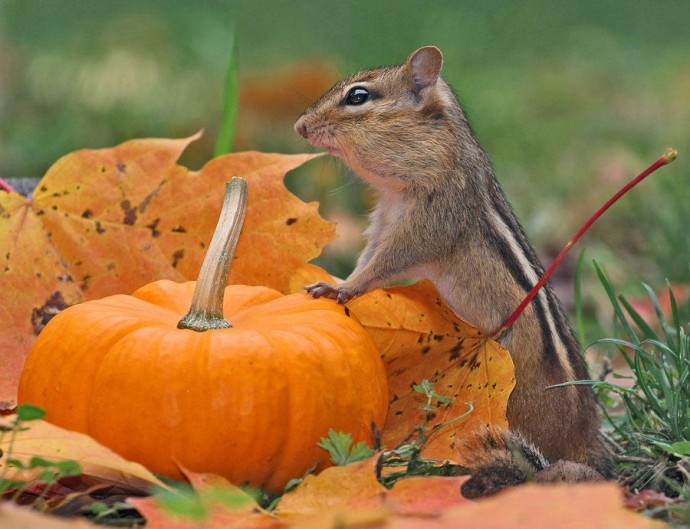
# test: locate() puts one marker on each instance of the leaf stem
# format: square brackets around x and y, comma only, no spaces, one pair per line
[5,186]
[206,311]
[669,155]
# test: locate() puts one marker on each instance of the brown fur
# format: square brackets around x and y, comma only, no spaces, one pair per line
[440,214]
[505,458]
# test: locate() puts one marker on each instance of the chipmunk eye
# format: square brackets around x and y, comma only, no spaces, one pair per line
[356,96]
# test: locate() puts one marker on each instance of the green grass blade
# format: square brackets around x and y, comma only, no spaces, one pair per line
[228,118]
[615,304]
[674,315]
[639,321]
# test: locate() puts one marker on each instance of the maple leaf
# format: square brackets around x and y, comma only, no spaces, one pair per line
[420,338]
[340,490]
[53,443]
[579,506]
[214,502]
[111,220]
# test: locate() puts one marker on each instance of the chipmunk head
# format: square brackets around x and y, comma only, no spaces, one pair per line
[388,123]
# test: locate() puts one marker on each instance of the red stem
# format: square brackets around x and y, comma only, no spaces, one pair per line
[5,186]
[668,156]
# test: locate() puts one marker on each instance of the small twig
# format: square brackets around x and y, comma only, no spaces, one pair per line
[5,186]
[607,438]
[634,459]
[668,156]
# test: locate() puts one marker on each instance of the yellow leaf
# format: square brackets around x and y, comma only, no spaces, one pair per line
[420,338]
[53,443]
[15,517]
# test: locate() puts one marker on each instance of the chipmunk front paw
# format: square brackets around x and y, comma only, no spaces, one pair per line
[340,293]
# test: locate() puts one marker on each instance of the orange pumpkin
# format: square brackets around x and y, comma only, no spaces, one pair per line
[248,402]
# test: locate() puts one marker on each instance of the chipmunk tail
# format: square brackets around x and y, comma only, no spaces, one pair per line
[499,459]
[504,458]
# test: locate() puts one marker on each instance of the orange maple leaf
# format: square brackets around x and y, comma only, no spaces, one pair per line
[339,490]
[108,221]
[420,338]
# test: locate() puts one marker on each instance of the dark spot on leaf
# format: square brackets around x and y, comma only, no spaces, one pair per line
[455,351]
[425,349]
[145,203]
[43,189]
[40,212]
[438,337]
[179,254]
[84,285]
[121,167]
[42,315]
[388,295]
[65,277]
[130,213]
[99,227]
[53,207]
[399,412]
[291,221]
[179,229]
[111,266]
[154,232]
[103,169]
[347,311]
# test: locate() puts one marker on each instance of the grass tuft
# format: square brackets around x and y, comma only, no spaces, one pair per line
[646,398]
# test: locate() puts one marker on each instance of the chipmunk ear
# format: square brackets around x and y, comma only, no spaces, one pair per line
[424,66]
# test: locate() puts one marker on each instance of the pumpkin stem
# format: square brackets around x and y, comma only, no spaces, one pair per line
[206,311]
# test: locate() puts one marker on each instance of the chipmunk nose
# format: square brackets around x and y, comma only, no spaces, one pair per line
[301,127]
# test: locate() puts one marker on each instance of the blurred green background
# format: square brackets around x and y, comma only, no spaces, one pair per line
[570,100]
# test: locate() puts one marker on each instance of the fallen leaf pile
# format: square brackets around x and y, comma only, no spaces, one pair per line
[108,221]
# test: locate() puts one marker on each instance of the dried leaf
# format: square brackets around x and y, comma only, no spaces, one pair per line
[336,489]
[343,490]
[14,517]
[247,514]
[111,220]
[421,338]
[426,496]
[581,506]
[53,443]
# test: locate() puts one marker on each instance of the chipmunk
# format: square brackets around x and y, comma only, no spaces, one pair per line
[440,214]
